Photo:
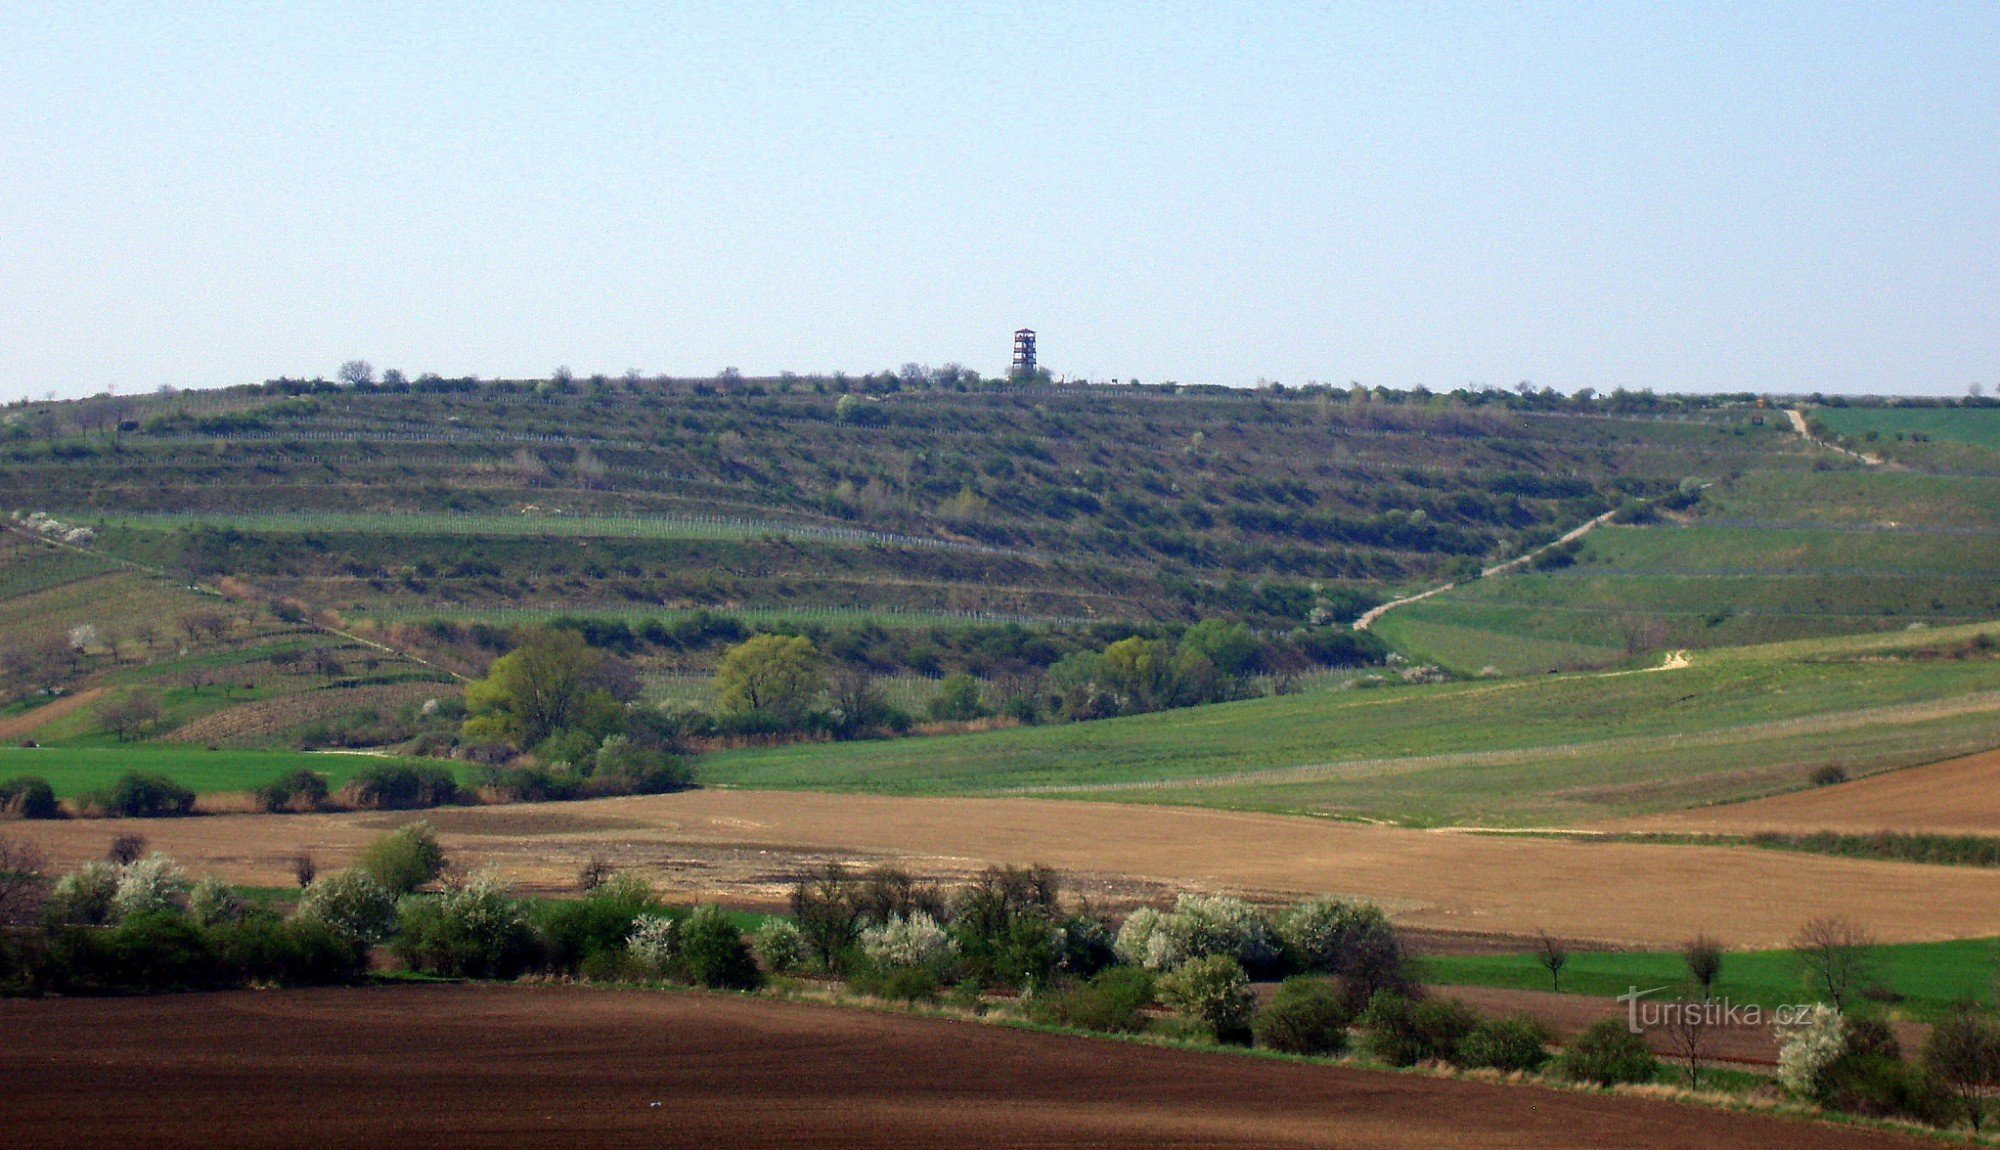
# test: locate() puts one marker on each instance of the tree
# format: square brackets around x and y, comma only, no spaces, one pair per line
[773,677]
[1139,672]
[1963,1056]
[130,715]
[1703,956]
[1553,954]
[1836,956]
[357,373]
[958,699]
[552,682]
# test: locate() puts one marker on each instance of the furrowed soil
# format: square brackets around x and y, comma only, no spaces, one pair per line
[479,1066]
[1958,796]
[745,848]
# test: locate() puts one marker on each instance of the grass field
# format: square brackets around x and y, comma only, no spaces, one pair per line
[1541,750]
[1971,427]
[74,771]
[1930,977]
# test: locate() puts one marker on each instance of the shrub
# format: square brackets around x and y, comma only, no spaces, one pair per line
[1828,776]
[24,888]
[655,942]
[898,983]
[1403,1032]
[1608,1053]
[83,896]
[126,849]
[958,699]
[1114,1001]
[1084,946]
[300,790]
[151,951]
[1308,1016]
[1214,991]
[404,859]
[302,951]
[474,930]
[1519,1043]
[28,797]
[779,946]
[916,940]
[1321,934]
[213,902]
[1809,1048]
[400,786]
[1135,934]
[714,952]
[153,885]
[1201,926]
[142,795]
[571,931]
[352,905]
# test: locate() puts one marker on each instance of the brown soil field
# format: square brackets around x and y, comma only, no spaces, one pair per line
[16,726]
[1958,796]
[480,1066]
[745,847]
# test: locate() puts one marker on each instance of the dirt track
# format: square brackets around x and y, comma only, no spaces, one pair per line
[745,846]
[31,721]
[477,1066]
[1959,796]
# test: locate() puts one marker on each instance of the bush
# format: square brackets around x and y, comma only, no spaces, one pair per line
[1084,946]
[83,896]
[916,940]
[152,951]
[1808,1048]
[142,795]
[1308,1016]
[1326,935]
[655,943]
[153,885]
[400,786]
[1214,991]
[352,905]
[1607,1054]
[404,859]
[213,903]
[1403,1032]
[474,930]
[898,983]
[1113,1001]
[303,951]
[28,797]
[1200,926]
[571,931]
[1519,1043]
[779,946]
[714,953]
[300,790]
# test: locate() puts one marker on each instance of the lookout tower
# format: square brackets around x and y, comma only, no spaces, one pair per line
[1024,353]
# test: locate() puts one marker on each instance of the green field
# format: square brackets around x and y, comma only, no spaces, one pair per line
[1971,427]
[74,771]
[1536,751]
[1930,976]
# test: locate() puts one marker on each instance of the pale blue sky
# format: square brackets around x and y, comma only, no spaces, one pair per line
[1729,196]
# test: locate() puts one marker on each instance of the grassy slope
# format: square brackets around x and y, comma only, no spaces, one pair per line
[1541,750]
[1782,551]
[1930,976]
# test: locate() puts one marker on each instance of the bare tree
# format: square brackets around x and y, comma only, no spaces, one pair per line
[357,373]
[130,715]
[1704,962]
[304,869]
[1553,954]
[596,870]
[1837,957]
[1690,1032]
[1963,1055]
[126,849]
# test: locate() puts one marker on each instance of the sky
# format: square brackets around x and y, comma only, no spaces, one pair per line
[1739,196]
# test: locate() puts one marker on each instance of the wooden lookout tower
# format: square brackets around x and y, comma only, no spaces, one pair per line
[1024,353]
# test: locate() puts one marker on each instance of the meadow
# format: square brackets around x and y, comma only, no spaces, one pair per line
[1543,749]
[1925,978]
[74,771]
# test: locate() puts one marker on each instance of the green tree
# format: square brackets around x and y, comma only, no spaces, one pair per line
[1138,671]
[552,682]
[958,699]
[772,677]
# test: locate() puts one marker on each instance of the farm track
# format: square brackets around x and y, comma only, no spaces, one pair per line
[745,847]
[491,1066]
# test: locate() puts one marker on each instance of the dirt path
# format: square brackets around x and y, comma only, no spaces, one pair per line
[745,847]
[1798,420]
[1369,617]
[25,724]
[493,1066]
[1959,796]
